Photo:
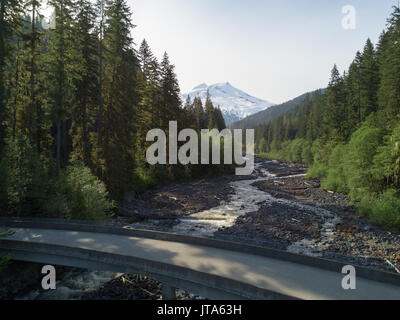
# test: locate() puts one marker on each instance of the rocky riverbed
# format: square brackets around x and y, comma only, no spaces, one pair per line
[276,207]
[22,281]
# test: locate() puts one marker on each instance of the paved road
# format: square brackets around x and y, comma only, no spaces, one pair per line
[291,279]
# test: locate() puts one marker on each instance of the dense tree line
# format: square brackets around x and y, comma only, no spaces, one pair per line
[76,102]
[207,116]
[350,134]
[271,114]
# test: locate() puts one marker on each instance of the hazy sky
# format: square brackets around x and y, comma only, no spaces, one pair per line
[273,49]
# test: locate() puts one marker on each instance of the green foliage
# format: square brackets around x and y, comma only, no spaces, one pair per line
[358,161]
[4,261]
[298,150]
[306,153]
[262,146]
[354,129]
[81,92]
[90,197]
[25,178]
[10,19]
[336,176]
[384,210]
[59,202]
[321,151]
[148,177]
[28,188]
[78,194]
[386,163]
[3,189]
[389,58]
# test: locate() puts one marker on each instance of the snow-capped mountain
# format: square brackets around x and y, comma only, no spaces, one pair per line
[234,103]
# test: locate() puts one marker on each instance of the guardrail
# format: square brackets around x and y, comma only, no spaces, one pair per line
[199,283]
[110,228]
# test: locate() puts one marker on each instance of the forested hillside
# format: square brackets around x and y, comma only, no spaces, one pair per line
[350,135]
[270,114]
[76,103]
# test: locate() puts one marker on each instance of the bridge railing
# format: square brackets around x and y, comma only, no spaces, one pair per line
[118,229]
[196,282]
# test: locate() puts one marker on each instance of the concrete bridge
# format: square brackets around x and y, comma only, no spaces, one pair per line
[207,267]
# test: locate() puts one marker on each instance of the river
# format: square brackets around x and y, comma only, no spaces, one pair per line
[247,197]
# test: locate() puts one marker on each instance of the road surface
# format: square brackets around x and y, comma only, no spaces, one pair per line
[285,278]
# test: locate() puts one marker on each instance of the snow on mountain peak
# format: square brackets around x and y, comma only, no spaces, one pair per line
[200,86]
[235,104]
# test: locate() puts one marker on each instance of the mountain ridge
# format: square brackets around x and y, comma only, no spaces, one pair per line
[270,114]
[235,104]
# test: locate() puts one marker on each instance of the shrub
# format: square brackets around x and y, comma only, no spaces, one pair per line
[336,176]
[272,155]
[358,161]
[89,194]
[147,177]
[77,194]
[295,149]
[306,154]
[58,203]
[383,210]
[321,151]
[386,163]
[23,189]
[262,146]
[28,189]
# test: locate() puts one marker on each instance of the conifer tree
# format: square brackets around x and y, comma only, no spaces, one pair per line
[120,99]
[60,59]
[34,50]
[353,95]
[16,81]
[334,111]
[149,82]
[190,117]
[99,114]
[220,121]
[10,19]
[170,93]
[389,89]
[369,81]
[86,85]
[209,117]
[199,113]
[188,104]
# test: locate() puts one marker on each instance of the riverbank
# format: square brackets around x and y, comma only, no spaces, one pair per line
[276,207]
[22,281]
[302,218]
